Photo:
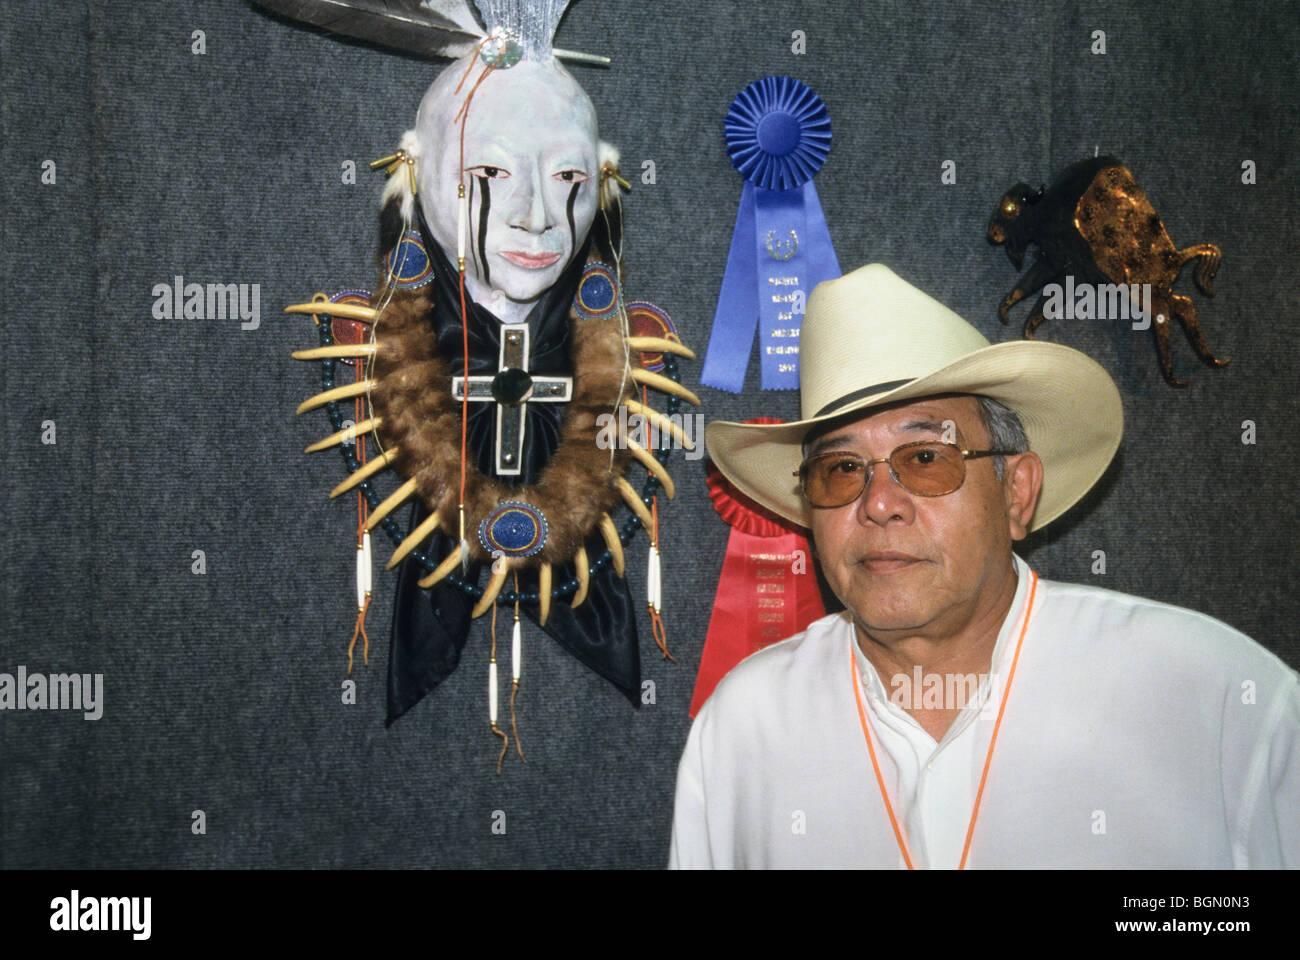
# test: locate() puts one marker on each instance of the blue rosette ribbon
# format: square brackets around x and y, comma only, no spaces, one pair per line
[778,134]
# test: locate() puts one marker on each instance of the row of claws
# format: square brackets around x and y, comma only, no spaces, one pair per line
[435,521]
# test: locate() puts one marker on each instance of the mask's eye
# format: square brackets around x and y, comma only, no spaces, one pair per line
[571,176]
[489,172]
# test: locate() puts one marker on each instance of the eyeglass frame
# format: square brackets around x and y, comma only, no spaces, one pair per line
[801,473]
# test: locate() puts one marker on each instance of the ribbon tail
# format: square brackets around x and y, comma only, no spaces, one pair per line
[736,318]
[766,593]
[780,261]
[822,263]
[808,604]
[733,626]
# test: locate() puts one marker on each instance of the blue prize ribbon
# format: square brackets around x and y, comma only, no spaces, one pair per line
[778,134]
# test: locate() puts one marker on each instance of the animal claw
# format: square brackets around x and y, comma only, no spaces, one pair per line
[446,567]
[660,345]
[583,571]
[413,539]
[543,593]
[652,465]
[338,350]
[344,435]
[490,592]
[610,533]
[635,503]
[347,311]
[337,393]
[664,384]
[391,504]
[380,462]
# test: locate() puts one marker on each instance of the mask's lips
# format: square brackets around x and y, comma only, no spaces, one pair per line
[530,261]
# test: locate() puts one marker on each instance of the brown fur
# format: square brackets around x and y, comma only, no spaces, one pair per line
[420,417]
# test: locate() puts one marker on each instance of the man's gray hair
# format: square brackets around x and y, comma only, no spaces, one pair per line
[1006,432]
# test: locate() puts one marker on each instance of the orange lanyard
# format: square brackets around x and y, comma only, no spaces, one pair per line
[875,765]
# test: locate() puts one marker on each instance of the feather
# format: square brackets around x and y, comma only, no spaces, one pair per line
[398,185]
[430,28]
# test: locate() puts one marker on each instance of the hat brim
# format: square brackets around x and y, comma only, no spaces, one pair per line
[1069,406]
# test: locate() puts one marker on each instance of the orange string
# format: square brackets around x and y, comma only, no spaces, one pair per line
[988,760]
[470,66]
[979,796]
[875,765]
[660,636]
[462,115]
[360,630]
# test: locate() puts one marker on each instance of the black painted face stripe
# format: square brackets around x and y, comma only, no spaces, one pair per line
[848,398]
[568,209]
[482,231]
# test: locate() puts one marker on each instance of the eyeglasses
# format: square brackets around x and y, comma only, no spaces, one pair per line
[926,469]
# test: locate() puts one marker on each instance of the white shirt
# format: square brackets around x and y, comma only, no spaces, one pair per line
[1136,734]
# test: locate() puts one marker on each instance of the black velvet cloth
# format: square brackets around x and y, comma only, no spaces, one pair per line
[431,627]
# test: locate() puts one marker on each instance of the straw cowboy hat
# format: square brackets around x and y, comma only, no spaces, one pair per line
[871,338]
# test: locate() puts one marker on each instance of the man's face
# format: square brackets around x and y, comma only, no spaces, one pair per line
[919,565]
[531,178]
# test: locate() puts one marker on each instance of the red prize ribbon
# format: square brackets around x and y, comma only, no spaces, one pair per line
[760,599]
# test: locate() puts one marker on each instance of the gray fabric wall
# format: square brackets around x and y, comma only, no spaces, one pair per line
[222,690]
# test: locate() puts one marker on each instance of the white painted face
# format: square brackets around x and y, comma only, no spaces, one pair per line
[530,173]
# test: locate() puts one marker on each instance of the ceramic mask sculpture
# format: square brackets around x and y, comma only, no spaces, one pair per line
[498,346]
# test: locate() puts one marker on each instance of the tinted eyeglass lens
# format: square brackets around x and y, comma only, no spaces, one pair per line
[929,469]
[834,480]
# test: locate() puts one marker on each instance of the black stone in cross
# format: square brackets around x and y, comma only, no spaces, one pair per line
[512,389]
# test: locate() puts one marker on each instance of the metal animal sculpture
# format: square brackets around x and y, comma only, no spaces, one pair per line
[1096,225]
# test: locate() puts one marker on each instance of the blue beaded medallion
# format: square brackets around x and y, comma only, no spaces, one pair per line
[514,529]
[597,295]
[408,262]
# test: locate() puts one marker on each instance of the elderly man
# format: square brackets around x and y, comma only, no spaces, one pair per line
[962,712]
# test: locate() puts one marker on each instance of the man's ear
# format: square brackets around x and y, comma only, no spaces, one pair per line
[1023,480]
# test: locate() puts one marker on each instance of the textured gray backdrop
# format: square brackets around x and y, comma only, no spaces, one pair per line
[222,690]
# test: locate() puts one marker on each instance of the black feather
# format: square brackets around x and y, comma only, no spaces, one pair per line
[404,25]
